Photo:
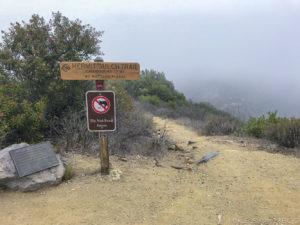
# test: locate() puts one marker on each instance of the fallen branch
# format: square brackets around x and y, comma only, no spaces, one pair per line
[177,167]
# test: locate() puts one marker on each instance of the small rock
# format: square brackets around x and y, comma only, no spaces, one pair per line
[191,142]
[175,147]
[219,219]
[172,147]
[157,163]
[115,174]
[190,161]
[123,159]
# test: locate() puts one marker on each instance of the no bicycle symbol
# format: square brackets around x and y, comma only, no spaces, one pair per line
[100,104]
[101,111]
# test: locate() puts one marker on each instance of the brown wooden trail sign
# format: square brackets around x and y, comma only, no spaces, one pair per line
[100,103]
[99,71]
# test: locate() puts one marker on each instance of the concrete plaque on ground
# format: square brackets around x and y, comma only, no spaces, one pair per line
[101,113]
[34,158]
[99,71]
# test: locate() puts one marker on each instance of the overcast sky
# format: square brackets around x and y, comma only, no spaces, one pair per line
[254,44]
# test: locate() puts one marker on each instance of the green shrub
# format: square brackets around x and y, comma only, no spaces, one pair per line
[285,133]
[221,125]
[152,99]
[255,127]
[203,110]
[153,88]
[124,101]
[30,53]
[69,172]
[20,120]
[132,122]
[70,131]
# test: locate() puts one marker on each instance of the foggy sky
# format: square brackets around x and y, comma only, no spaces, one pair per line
[210,49]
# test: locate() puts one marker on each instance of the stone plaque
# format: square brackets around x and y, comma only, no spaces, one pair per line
[34,158]
[101,113]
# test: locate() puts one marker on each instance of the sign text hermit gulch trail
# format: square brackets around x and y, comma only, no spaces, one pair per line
[99,71]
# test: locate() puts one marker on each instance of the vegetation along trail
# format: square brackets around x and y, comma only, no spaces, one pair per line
[241,185]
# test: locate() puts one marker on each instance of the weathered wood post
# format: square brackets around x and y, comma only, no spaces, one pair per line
[103,139]
[104,154]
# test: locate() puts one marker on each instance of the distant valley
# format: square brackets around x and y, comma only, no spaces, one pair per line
[244,99]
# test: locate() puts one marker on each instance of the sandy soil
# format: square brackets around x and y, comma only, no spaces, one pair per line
[239,186]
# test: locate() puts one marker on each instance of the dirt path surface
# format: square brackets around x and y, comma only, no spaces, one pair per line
[239,186]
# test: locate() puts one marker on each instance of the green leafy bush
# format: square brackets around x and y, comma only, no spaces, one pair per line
[151,99]
[284,131]
[20,120]
[30,53]
[255,127]
[153,87]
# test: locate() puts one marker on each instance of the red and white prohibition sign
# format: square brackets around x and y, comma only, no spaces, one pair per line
[100,104]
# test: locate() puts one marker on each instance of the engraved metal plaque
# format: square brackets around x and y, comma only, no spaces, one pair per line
[34,158]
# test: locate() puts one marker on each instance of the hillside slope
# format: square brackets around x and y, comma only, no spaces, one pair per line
[240,186]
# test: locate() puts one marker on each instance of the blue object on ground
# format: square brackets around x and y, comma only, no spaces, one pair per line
[207,157]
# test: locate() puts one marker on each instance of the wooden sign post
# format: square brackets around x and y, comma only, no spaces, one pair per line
[103,139]
[100,71]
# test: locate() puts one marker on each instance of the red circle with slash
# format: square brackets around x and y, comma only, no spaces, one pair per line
[100,104]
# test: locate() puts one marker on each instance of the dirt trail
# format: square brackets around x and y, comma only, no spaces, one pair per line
[239,186]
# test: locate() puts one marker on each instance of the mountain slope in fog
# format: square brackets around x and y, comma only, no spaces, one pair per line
[244,99]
